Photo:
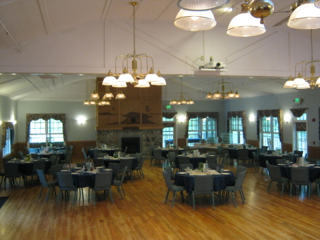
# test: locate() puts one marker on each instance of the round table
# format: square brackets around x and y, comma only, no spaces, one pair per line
[194,160]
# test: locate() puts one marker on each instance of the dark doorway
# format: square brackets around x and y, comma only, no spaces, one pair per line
[132,144]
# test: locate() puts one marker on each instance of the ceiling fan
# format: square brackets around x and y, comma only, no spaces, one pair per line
[293,7]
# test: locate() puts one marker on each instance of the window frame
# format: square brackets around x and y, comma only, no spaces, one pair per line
[238,129]
[169,120]
[273,132]
[302,119]
[201,127]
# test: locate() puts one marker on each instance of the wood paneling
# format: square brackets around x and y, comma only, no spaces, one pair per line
[142,214]
[182,142]
[77,148]
[313,152]
[287,147]
[254,143]
[142,108]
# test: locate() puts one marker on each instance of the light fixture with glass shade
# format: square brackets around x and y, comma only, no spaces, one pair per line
[225,90]
[245,25]
[182,99]
[200,5]
[120,95]
[306,16]
[301,81]
[317,4]
[261,9]
[195,20]
[119,80]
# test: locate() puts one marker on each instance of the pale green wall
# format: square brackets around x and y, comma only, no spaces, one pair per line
[8,112]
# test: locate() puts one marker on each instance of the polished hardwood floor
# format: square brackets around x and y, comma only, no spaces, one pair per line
[142,214]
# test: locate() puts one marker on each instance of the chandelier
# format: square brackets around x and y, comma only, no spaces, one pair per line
[181,100]
[137,78]
[200,5]
[95,98]
[301,82]
[226,91]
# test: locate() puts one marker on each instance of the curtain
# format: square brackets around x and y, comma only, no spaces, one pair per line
[301,126]
[240,114]
[298,112]
[55,116]
[168,124]
[271,113]
[168,114]
[214,115]
[5,126]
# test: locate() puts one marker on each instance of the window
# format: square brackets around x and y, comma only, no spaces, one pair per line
[300,134]
[46,131]
[168,132]
[7,148]
[201,128]
[236,130]
[270,135]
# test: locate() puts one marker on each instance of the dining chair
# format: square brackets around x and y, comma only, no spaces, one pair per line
[98,162]
[55,169]
[211,159]
[139,170]
[54,158]
[47,184]
[172,160]
[185,166]
[169,170]
[225,151]
[275,176]
[67,160]
[236,187]
[183,160]
[299,153]
[103,181]
[119,183]
[158,156]
[66,184]
[12,172]
[239,170]
[300,176]
[217,166]
[41,165]
[151,154]
[172,187]
[85,154]
[243,155]
[126,163]
[138,156]
[203,185]
[281,160]
[313,160]
[224,159]
[219,152]
[115,169]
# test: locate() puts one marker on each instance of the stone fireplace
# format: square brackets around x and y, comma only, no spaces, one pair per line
[146,138]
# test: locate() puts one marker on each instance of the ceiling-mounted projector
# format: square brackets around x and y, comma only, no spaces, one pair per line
[213,66]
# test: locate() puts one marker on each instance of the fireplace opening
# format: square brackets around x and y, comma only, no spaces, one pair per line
[132,144]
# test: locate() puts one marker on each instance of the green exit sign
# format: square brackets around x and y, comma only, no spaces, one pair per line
[298,100]
[168,106]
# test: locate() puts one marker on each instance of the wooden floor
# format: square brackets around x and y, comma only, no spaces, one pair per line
[143,215]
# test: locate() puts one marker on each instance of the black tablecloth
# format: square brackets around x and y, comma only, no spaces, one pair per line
[117,160]
[85,179]
[271,158]
[26,168]
[233,153]
[314,173]
[220,182]
[194,160]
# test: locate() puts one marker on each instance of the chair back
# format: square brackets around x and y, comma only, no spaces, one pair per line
[184,166]
[300,175]
[151,149]
[220,149]
[169,170]
[239,180]
[125,163]
[299,153]
[281,161]
[68,157]
[103,180]
[123,174]
[243,153]
[65,181]
[265,148]
[274,173]
[203,184]
[55,169]
[255,156]
[172,157]
[20,155]
[224,159]
[34,156]
[157,153]
[138,156]
[98,162]
[183,160]
[267,163]
[54,159]
[115,168]
[225,151]
[175,151]
[313,160]
[95,153]
[41,164]
[211,153]
[42,178]
[84,153]
[240,169]
[27,150]
[167,179]
[140,165]
[211,159]
[11,170]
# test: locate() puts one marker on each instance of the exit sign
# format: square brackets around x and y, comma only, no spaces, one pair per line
[298,100]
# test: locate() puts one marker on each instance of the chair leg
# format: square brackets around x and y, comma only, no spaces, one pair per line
[242,196]
[40,192]
[318,190]
[290,189]
[193,201]
[174,197]
[165,200]
[233,199]
[111,197]
[58,201]
[212,195]
[47,194]
[120,192]
[242,193]
[269,186]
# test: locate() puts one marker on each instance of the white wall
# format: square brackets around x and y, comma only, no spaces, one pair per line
[73,110]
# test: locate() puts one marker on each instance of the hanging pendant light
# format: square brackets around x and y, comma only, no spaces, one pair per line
[195,20]
[245,25]
[317,4]
[261,9]
[306,16]
[120,95]
[199,5]
[142,84]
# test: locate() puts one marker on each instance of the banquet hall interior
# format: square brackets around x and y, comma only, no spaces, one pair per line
[54,55]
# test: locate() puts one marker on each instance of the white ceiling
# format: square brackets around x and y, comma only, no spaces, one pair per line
[30,19]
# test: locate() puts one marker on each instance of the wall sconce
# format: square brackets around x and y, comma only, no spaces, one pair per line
[0,122]
[14,122]
[181,118]
[81,120]
[251,118]
[287,118]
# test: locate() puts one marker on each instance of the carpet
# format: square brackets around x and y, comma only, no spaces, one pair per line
[3,200]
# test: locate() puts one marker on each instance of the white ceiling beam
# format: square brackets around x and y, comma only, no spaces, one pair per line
[45,15]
